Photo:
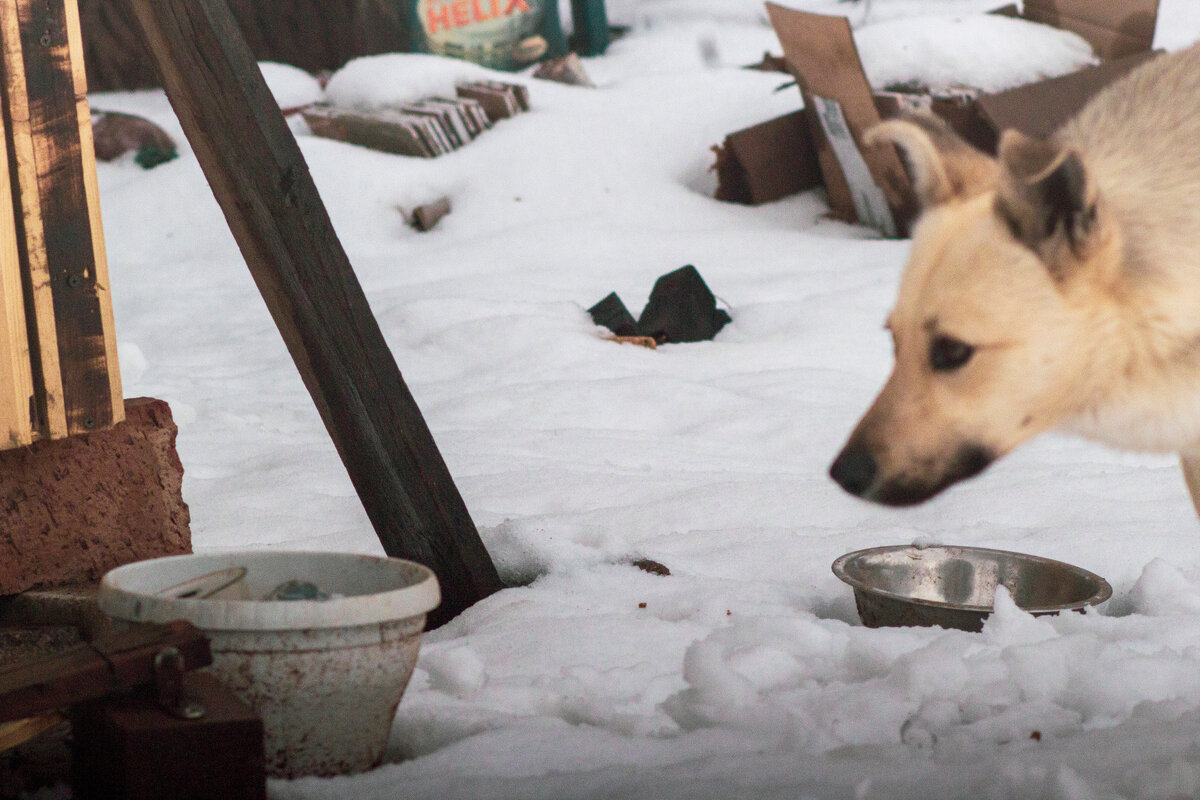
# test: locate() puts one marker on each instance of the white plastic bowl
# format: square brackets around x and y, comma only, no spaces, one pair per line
[325,675]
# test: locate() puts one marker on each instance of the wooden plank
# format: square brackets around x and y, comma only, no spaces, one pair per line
[16,374]
[14,734]
[97,669]
[91,185]
[56,92]
[35,271]
[260,179]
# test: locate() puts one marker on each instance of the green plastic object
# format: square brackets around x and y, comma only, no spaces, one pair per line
[591,27]
[150,156]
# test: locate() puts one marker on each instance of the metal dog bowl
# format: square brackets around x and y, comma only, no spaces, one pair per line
[954,587]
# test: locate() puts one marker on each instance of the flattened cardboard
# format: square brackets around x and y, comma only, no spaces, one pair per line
[1114,28]
[768,161]
[820,52]
[1039,109]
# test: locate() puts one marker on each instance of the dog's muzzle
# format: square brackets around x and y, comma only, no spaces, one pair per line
[857,471]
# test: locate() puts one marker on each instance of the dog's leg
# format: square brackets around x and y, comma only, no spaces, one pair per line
[1191,475]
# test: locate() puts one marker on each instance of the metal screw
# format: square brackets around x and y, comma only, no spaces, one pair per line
[89,422]
[74,280]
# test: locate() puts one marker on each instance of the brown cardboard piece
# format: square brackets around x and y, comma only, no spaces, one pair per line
[1040,108]
[767,161]
[820,53]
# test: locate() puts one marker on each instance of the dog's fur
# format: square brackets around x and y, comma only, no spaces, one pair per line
[1056,285]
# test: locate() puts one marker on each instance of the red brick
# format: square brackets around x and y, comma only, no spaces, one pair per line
[72,509]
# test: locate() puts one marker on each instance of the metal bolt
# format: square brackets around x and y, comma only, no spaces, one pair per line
[74,280]
[89,422]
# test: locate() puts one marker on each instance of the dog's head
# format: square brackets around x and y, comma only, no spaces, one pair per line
[1008,257]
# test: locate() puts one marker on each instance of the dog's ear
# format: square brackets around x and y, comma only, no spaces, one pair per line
[943,167]
[1047,199]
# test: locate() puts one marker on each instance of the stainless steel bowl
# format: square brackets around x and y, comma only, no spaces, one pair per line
[954,586]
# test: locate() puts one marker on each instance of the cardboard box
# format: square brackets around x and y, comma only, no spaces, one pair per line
[871,185]
[767,161]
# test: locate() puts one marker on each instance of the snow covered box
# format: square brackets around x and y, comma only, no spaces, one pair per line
[870,185]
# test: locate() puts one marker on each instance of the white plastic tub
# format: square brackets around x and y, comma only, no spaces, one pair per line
[325,675]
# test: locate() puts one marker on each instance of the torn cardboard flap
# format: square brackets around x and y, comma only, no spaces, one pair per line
[821,53]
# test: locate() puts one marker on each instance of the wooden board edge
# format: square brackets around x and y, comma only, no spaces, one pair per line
[92,192]
[43,335]
[14,734]
[16,373]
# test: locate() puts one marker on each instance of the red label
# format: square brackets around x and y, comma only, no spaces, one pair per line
[450,14]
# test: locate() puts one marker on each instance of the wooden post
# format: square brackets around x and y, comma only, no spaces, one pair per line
[262,183]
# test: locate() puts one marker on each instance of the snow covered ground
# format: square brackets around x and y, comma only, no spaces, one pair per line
[744,673]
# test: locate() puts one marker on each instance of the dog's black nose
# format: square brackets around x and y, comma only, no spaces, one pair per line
[854,469]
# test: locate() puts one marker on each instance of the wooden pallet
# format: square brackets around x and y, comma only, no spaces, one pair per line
[58,356]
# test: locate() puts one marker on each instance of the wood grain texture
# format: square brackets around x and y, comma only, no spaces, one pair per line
[35,271]
[91,188]
[16,373]
[54,93]
[13,734]
[263,185]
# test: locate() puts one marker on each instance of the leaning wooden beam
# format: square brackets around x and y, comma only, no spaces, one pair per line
[262,183]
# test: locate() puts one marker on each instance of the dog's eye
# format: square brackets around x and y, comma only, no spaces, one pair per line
[946,353]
